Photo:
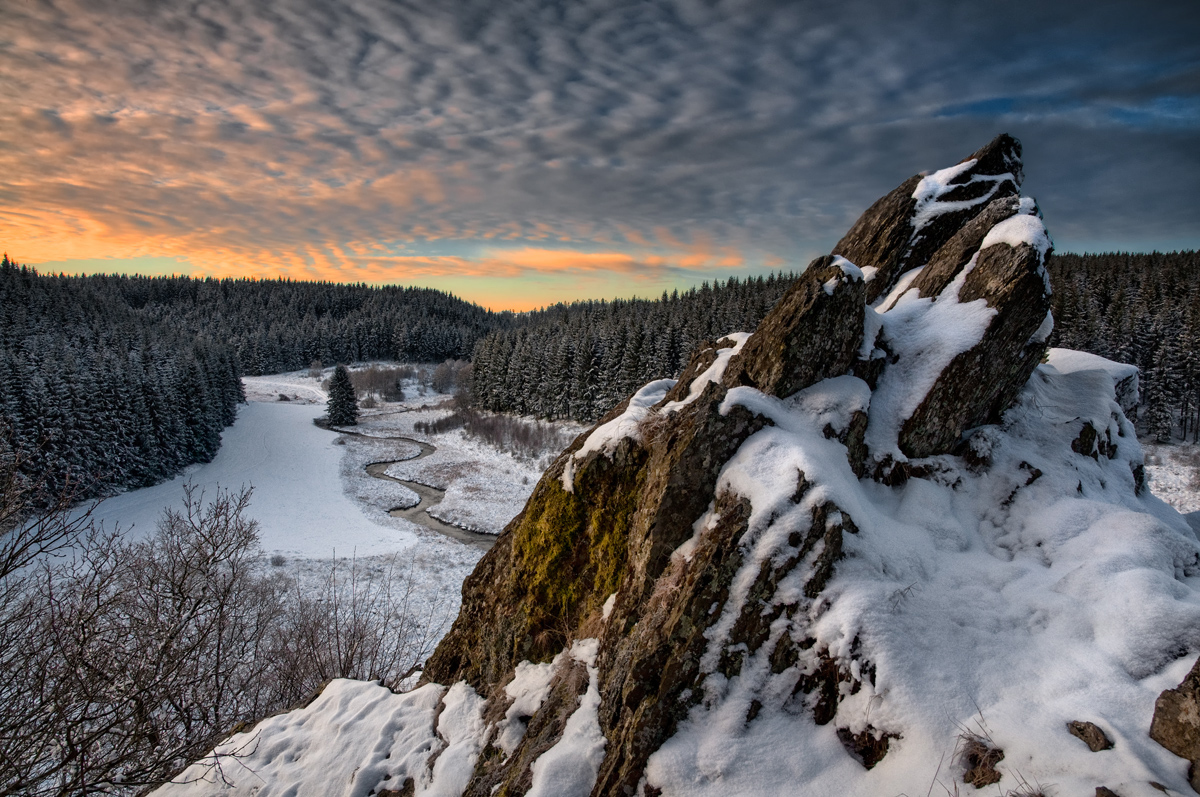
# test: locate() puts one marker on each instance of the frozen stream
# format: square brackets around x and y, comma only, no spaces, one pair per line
[430,496]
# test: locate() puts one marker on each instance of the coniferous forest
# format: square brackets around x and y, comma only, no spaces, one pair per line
[118,381]
[579,360]
[1142,309]
[94,394]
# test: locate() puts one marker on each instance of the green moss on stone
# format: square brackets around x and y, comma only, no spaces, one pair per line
[570,549]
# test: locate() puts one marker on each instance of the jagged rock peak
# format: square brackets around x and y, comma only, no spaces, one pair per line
[902,229]
[885,527]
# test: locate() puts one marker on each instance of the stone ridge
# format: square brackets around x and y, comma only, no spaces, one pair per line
[814,332]
[592,553]
[886,238]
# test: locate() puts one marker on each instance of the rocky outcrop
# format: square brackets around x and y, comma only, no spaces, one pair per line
[905,228]
[1176,723]
[877,539]
[814,332]
[596,551]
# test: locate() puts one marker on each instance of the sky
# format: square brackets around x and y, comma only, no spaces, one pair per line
[521,153]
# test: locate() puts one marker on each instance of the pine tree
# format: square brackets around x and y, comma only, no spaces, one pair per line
[343,404]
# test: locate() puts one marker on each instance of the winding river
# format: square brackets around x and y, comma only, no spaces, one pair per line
[430,496]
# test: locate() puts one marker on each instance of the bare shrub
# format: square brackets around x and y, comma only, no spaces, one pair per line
[127,660]
[384,381]
[529,439]
[315,369]
[449,375]
[137,656]
[439,425]
[360,624]
[34,519]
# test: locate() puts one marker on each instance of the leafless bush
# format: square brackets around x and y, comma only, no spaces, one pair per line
[440,425]
[518,436]
[127,660]
[34,519]
[136,657]
[315,369]
[381,380]
[449,375]
[359,625]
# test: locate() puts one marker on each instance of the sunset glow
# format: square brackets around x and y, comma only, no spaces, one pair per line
[519,158]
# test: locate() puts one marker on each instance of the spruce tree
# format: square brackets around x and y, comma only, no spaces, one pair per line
[343,404]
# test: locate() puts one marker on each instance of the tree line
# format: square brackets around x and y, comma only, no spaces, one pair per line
[578,360]
[1142,309]
[96,394]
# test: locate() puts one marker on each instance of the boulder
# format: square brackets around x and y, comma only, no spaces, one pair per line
[983,381]
[1176,722]
[1090,734]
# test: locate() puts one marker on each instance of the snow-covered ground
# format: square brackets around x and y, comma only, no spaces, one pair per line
[1173,471]
[312,495]
[302,507]
[485,488]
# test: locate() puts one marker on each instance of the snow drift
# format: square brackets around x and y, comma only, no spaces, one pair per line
[888,544]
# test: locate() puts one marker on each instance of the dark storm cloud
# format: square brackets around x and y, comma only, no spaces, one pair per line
[313,132]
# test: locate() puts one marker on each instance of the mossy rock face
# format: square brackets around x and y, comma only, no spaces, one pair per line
[526,596]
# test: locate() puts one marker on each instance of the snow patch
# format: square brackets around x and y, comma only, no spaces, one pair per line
[1018,230]
[714,372]
[933,187]
[528,689]
[606,437]
[924,334]
[607,608]
[354,738]
[569,768]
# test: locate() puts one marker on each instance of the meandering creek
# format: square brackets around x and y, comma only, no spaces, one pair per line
[430,496]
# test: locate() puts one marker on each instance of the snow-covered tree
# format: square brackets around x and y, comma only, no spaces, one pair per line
[342,405]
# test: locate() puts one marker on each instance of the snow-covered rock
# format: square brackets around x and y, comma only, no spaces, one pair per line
[889,544]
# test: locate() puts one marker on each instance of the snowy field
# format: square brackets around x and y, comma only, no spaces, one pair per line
[299,501]
[1173,470]
[314,500]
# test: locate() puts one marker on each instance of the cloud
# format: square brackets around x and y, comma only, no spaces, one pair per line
[338,137]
